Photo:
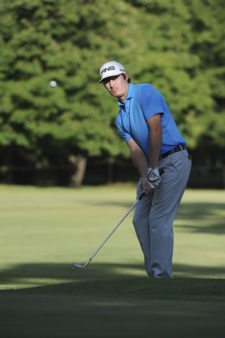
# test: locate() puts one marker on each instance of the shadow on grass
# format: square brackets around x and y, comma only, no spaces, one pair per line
[114,281]
[200,217]
[203,217]
[105,301]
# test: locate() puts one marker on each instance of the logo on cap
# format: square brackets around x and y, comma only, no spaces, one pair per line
[107,69]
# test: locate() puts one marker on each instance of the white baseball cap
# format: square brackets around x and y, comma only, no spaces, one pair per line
[111,68]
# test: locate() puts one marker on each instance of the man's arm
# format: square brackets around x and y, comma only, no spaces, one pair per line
[140,162]
[138,157]
[155,139]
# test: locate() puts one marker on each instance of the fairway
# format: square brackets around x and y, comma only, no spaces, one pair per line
[44,230]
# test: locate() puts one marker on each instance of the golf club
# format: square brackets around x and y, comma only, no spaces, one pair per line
[82,266]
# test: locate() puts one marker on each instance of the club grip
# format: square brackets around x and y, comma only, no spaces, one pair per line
[140,197]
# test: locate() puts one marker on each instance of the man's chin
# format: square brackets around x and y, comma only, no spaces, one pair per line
[115,94]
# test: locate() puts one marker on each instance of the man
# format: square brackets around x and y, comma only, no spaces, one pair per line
[156,145]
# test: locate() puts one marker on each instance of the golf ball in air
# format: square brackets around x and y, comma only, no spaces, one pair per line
[53,84]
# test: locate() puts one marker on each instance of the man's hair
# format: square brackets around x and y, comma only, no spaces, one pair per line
[129,79]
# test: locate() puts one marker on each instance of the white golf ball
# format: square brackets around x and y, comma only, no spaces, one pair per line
[53,84]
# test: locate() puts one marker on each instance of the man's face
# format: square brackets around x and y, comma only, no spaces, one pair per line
[117,86]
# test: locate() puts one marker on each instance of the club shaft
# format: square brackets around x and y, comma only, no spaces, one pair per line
[79,265]
[114,229]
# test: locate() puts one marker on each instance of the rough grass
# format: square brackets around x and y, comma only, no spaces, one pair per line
[44,230]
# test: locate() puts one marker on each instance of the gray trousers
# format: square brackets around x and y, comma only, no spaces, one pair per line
[154,214]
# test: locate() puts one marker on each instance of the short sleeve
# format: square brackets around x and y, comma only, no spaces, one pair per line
[122,131]
[151,101]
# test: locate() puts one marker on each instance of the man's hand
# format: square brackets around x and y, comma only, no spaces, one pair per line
[146,188]
[153,177]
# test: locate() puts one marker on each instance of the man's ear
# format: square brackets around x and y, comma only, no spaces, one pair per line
[126,76]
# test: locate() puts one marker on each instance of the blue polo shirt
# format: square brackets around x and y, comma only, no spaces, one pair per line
[144,101]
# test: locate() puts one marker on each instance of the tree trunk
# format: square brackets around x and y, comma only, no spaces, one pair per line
[79,163]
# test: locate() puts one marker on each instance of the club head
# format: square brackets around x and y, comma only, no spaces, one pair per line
[79,265]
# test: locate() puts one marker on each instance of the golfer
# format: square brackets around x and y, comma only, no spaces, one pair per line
[147,126]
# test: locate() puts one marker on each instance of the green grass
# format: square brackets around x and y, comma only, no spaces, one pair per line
[43,230]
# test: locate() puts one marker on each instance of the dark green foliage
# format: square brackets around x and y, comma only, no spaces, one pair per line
[46,40]
[177,45]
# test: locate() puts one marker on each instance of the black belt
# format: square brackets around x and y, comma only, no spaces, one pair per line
[179,147]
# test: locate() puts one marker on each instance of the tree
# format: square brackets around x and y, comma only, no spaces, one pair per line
[162,42]
[52,40]
[209,44]
[174,55]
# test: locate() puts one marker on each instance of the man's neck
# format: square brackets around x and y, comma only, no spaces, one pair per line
[123,98]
